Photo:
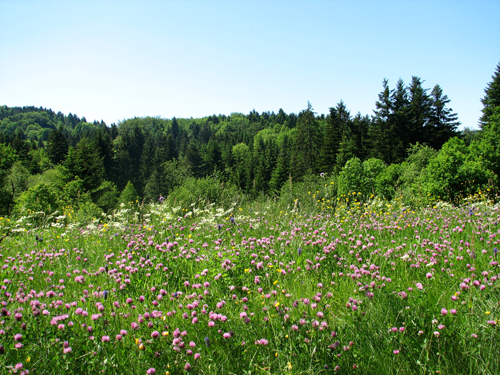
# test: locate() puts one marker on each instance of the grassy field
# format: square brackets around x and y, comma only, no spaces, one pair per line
[358,289]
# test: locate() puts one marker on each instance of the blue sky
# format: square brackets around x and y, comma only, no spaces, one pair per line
[114,60]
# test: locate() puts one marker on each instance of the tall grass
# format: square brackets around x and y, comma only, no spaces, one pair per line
[317,285]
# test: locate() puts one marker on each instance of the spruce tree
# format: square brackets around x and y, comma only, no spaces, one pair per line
[85,162]
[443,123]
[57,146]
[491,98]
[419,109]
[399,132]
[332,138]
[128,195]
[309,139]
[388,123]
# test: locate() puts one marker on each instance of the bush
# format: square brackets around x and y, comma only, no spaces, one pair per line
[452,175]
[351,178]
[358,177]
[308,193]
[39,198]
[203,191]
[106,196]
[386,183]
[129,195]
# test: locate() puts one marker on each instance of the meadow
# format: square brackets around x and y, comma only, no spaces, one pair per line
[371,287]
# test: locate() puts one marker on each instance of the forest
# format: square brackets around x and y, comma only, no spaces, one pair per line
[410,148]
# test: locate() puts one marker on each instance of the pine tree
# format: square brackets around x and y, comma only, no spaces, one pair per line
[389,117]
[128,150]
[147,157]
[194,158]
[419,108]
[128,195]
[443,123]
[85,162]
[260,163]
[213,157]
[361,125]
[308,139]
[332,138]
[491,98]
[241,168]
[282,171]
[57,146]
[399,132]
[174,128]
[104,145]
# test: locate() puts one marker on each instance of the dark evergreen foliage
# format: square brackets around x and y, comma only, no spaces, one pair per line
[259,152]
[491,99]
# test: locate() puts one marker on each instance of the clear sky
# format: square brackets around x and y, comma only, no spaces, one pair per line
[114,60]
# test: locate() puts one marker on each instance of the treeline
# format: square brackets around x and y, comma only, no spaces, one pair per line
[50,160]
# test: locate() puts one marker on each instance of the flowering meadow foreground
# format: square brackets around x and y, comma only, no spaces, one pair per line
[373,289]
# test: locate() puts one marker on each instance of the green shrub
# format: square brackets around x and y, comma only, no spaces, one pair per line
[129,195]
[386,183]
[106,196]
[452,174]
[312,191]
[39,198]
[203,191]
[358,177]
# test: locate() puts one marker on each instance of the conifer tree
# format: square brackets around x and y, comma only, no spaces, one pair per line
[282,171]
[241,168]
[308,140]
[128,195]
[85,162]
[332,139]
[443,123]
[385,140]
[491,98]
[398,126]
[57,146]
[419,108]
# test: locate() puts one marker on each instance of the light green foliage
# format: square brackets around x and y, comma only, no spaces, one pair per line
[17,179]
[412,168]
[175,174]
[56,177]
[308,194]
[387,182]
[74,193]
[88,212]
[129,195]
[453,174]
[40,160]
[358,177]
[204,191]
[417,160]
[351,178]
[39,198]
[372,168]
[487,148]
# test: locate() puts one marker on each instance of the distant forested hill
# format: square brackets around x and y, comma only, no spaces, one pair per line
[255,153]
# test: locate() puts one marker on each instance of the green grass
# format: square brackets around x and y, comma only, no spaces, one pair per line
[366,295]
